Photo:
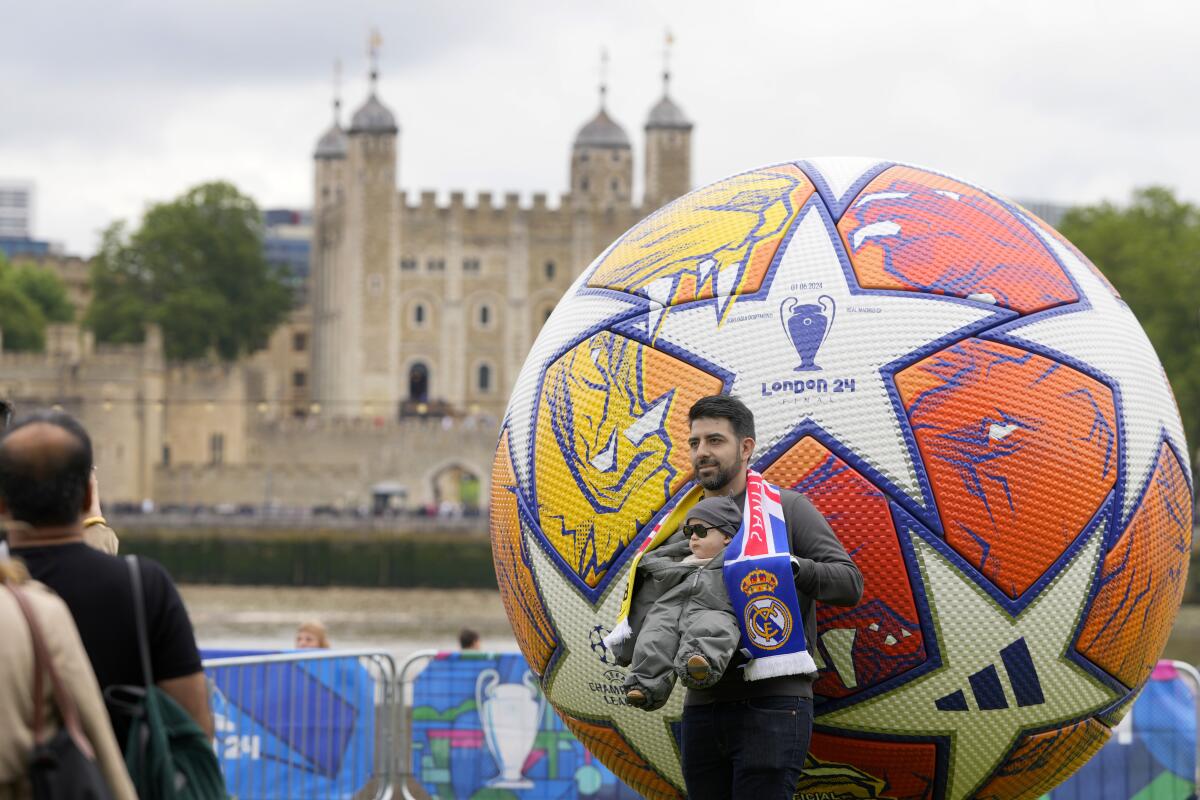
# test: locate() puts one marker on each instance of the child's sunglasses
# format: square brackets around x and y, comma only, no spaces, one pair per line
[701,530]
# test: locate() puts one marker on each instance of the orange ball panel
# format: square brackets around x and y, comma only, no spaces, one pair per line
[1142,580]
[913,230]
[1041,761]
[998,429]
[530,622]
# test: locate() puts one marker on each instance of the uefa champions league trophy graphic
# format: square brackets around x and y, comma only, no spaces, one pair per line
[807,325]
[510,714]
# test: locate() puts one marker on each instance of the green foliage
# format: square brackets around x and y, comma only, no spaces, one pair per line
[1150,251]
[29,298]
[195,267]
[318,558]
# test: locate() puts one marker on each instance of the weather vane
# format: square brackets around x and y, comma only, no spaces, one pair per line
[337,91]
[668,40]
[374,41]
[603,75]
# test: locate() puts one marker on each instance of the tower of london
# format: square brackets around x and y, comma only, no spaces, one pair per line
[420,307]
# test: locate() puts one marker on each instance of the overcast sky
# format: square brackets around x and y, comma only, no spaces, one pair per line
[111,106]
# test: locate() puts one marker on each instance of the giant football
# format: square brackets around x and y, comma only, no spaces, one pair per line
[952,383]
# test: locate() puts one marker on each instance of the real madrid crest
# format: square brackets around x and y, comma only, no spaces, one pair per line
[768,621]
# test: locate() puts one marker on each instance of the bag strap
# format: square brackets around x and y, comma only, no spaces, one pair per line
[43,661]
[139,613]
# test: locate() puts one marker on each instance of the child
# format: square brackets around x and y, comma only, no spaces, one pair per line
[689,629]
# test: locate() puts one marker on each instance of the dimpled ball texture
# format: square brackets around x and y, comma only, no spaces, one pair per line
[956,388]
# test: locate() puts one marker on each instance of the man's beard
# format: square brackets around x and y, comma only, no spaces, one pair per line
[716,480]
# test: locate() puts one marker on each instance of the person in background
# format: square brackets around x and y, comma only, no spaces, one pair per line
[469,640]
[16,687]
[46,489]
[311,635]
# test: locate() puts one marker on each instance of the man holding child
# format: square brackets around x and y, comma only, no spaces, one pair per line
[748,712]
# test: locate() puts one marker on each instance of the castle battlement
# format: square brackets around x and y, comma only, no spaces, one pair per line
[458,201]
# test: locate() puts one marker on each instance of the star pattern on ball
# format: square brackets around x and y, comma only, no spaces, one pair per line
[987,690]
[590,693]
[850,395]
[1103,335]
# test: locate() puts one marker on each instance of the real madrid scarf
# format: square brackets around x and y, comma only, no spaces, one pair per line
[758,577]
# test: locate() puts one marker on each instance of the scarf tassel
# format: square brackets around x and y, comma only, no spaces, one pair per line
[798,663]
[619,634]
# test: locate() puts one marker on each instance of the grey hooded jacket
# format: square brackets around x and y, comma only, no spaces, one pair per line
[677,610]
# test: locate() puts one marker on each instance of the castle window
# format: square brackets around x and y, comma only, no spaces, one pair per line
[419,314]
[299,342]
[584,156]
[374,283]
[436,265]
[616,155]
[616,185]
[485,315]
[471,265]
[216,449]
[408,265]
[546,314]
[166,455]
[549,270]
[483,378]
[583,184]
[299,379]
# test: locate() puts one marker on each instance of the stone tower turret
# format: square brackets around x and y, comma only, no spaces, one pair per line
[328,237]
[602,163]
[668,150]
[355,318]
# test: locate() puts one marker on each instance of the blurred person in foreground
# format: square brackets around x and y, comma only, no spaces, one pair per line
[17,688]
[312,635]
[96,531]
[46,490]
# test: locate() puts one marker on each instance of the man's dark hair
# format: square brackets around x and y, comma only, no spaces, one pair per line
[46,486]
[467,638]
[6,414]
[723,406]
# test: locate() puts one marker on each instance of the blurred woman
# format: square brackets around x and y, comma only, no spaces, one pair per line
[311,635]
[16,687]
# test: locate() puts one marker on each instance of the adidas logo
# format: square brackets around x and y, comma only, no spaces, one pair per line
[989,692]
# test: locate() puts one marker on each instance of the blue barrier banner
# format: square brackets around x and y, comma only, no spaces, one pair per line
[294,729]
[1152,753]
[482,728]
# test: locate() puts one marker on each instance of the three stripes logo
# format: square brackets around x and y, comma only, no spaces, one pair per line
[989,692]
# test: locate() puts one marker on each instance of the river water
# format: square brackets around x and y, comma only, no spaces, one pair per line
[396,621]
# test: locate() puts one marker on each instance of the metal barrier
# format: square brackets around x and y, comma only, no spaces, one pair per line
[344,724]
[408,674]
[312,724]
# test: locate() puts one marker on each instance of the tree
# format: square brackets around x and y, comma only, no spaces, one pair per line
[196,268]
[30,296]
[1150,251]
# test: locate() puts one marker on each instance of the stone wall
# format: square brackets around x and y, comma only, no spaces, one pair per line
[309,463]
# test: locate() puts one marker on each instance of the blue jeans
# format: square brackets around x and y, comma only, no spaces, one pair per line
[746,748]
